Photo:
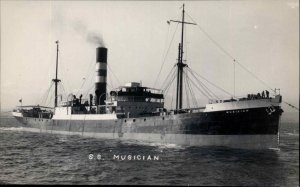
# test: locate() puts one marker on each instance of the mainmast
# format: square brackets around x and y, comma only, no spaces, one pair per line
[56,81]
[180,64]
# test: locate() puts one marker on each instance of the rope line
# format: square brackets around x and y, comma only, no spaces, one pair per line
[291,105]
[237,61]
[210,82]
[229,55]
[208,91]
[186,90]
[168,76]
[164,59]
[113,74]
[191,91]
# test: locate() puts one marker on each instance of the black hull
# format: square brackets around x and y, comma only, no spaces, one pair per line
[179,129]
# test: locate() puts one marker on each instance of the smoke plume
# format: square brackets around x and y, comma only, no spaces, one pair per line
[61,22]
[95,39]
[90,36]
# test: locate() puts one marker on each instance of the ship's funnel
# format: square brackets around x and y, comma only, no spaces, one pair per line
[101,74]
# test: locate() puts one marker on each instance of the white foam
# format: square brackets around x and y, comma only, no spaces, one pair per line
[292,134]
[275,148]
[19,129]
[11,128]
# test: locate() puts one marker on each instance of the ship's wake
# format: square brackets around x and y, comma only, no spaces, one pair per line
[292,134]
[19,129]
[154,144]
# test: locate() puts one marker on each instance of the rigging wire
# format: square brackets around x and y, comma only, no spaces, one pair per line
[110,87]
[172,97]
[166,89]
[169,82]
[45,94]
[85,95]
[44,99]
[207,90]
[293,106]
[50,100]
[186,90]
[110,81]
[194,100]
[109,68]
[236,61]
[199,89]
[165,47]
[91,85]
[164,59]
[84,79]
[63,90]
[87,75]
[210,82]
[229,55]
[168,76]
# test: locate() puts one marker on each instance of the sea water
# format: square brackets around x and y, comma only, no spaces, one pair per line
[39,158]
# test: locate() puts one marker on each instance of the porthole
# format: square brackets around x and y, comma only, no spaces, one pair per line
[133,120]
[125,120]
[163,118]
[145,119]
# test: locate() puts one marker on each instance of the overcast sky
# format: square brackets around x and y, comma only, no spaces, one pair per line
[262,35]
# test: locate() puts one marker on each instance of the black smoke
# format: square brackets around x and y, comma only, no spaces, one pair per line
[90,36]
[60,22]
[95,39]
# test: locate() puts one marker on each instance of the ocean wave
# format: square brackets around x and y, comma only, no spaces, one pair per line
[19,129]
[154,144]
[275,149]
[11,128]
[292,134]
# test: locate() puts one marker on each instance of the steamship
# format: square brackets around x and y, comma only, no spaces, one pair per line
[135,112]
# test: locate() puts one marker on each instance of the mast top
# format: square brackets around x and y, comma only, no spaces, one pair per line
[56,80]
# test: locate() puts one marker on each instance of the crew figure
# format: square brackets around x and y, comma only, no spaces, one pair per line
[80,97]
[263,94]
[74,99]
[267,93]
[258,95]
[91,99]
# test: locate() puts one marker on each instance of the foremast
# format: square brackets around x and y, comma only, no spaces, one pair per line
[56,80]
